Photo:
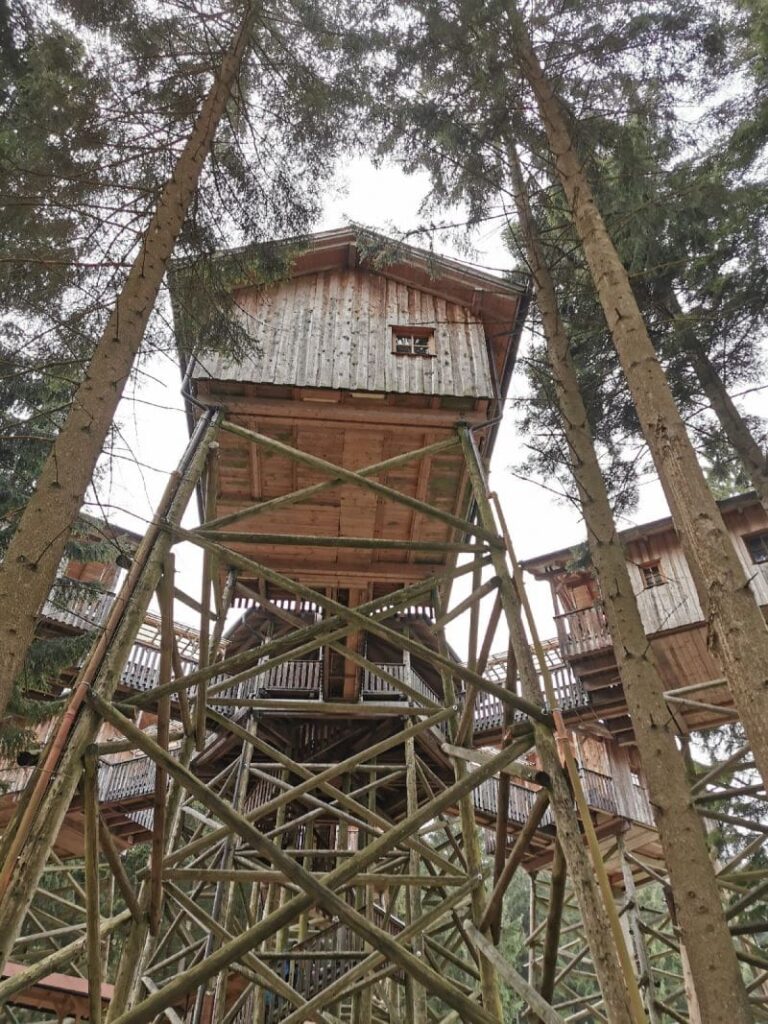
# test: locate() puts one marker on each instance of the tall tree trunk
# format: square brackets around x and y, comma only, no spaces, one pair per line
[33,556]
[705,934]
[737,629]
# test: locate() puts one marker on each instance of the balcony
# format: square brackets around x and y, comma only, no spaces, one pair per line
[602,794]
[375,687]
[82,611]
[584,631]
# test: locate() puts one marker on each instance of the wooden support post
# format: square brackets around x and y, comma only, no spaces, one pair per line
[92,906]
[209,568]
[254,662]
[165,596]
[554,919]
[322,891]
[488,981]
[538,1005]
[117,869]
[56,779]
[638,938]
[515,858]
[355,617]
[418,994]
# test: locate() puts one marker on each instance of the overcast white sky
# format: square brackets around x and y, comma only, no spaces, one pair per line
[154,427]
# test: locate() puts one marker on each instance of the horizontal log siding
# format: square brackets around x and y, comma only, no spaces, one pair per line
[334,330]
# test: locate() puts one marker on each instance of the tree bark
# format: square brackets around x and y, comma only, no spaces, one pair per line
[33,556]
[735,427]
[704,930]
[737,630]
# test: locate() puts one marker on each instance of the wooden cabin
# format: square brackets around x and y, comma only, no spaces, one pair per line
[671,614]
[354,361]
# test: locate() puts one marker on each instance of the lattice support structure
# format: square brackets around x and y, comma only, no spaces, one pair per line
[321,798]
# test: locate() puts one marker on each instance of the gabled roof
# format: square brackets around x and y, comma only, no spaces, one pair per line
[500,304]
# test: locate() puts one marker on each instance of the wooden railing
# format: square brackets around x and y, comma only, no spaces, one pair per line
[486,800]
[600,791]
[80,610]
[302,677]
[375,686]
[583,631]
[126,780]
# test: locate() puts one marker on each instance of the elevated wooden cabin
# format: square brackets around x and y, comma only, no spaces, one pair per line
[671,614]
[356,362]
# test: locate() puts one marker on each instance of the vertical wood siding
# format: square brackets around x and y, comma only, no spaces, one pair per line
[334,330]
[675,604]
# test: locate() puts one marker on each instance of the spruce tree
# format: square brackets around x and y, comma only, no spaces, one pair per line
[251,184]
[704,932]
[737,630]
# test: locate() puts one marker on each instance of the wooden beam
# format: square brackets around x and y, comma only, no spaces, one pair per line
[515,858]
[316,890]
[92,906]
[544,1012]
[365,481]
[117,869]
[355,617]
[308,492]
[554,920]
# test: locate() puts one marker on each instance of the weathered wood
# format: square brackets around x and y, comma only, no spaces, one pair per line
[246,663]
[209,565]
[378,822]
[322,892]
[615,976]
[250,960]
[537,1004]
[516,770]
[310,540]
[515,858]
[285,500]
[61,957]
[355,617]
[165,597]
[554,920]
[117,869]
[336,472]
[59,775]
[92,905]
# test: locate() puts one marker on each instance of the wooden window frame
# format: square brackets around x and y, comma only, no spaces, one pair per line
[402,334]
[756,535]
[651,579]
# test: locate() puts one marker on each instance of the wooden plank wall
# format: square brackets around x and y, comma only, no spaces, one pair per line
[333,330]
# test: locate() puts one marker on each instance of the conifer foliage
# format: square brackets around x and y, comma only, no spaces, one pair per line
[259,80]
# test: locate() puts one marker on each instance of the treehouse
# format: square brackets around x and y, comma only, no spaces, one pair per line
[356,359]
[670,612]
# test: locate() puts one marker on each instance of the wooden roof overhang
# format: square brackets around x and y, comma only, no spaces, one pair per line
[499,303]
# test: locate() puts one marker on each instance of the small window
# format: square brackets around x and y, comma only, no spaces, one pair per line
[413,341]
[757,546]
[652,575]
